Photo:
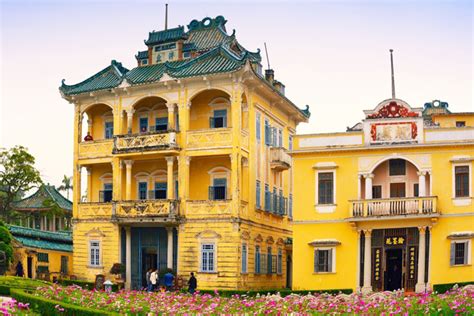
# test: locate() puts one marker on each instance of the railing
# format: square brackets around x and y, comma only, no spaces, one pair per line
[394,207]
[146,208]
[279,158]
[197,208]
[276,204]
[209,138]
[218,193]
[91,210]
[105,196]
[95,149]
[145,141]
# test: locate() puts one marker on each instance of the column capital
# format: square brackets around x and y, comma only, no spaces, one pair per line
[422,173]
[188,105]
[169,160]
[127,228]
[422,230]
[369,175]
[130,112]
[187,160]
[170,107]
[89,170]
[169,229]
[128,163]
[368,232]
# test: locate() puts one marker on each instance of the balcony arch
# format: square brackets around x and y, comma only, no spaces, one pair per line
[148,114]
[380,161]
[98,121]
[210,108]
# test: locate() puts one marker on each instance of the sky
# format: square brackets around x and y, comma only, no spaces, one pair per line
[331,55]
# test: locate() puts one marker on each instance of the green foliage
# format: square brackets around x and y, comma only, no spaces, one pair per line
[12,282]
[86,285]
[6,243]
[53,208]
[443,288]
[66,185]
[117,268]
[17,175]
[51,307]
[283,292]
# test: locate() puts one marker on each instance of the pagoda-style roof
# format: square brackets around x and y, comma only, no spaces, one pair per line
[142,55]
[39,239]
[35,202]
[165,36]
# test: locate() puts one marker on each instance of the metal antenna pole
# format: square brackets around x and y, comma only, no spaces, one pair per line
[393,74]
[266,53]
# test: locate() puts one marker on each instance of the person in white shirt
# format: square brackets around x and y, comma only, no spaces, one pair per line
[154,280]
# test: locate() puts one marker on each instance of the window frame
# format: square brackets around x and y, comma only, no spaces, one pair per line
[318,199]
[394,168]
[469,173]
[257,269]
[95,262]
[110,122]
[332,266]
[244,259]
[258,195]
[280,261]
[201,257]
[258,131]
[467,252]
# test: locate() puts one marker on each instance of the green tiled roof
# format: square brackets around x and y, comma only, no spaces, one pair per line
[37,199]
[142,55]
[107,78]
[35,238]
[164,36]
[205,39]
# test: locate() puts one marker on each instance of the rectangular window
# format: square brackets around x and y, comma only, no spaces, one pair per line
[94,256]
[161,123]
[244,258]
[274,137]
[323,260]
[377,192]
[43,257]
[460,123]
[186,54]
[160,190]
[269,260]
[290,143]
[219,120]
[290,206]
[257,196]
[280,261]
[106,194]
[143,124]
[257,259]
[459,253]
[268,200]
[142,190]
[263,263]
[145,62]
[109,130]
[257,127]
[219,189]
[325,188]
[275,200]
[280,138]
[461,181]
[64,264]
[207,258]
[397,167]
[416,190]
[170,55]
[268,138]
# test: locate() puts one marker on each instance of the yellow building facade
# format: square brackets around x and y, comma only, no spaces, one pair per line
[388,204]
[184,163]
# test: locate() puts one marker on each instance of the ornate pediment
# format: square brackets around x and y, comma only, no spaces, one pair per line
[392,108]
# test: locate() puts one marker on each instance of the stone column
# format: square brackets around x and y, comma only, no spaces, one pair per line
[169,174]
[89,184]
[171,117]
[368,186]
[128,180]
[128,258]
[89,126]
[359,187]
[169,256]
[359,234]
[420,284]
[130,120]
[367,288]
[422,183]
[76,193]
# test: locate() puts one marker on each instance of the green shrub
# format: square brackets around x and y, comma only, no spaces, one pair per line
[52,308]
[11,282]
[443,288]
[283,292]
[86,285]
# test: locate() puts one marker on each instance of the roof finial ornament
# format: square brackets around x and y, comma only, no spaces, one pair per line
[393,75]
[166,16]
[266,53]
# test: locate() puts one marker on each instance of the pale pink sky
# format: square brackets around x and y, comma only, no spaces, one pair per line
[332,55]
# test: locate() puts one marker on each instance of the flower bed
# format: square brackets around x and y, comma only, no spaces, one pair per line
[455,301]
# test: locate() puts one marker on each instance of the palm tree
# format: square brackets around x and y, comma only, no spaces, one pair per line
[66,185]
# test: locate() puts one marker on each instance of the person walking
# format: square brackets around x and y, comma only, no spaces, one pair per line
[154,280]
[149,287]
[169,277]
[192,283]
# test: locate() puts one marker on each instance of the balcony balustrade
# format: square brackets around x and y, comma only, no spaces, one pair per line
[94,210]
[146,208]
[394,207]
[214,138]
[199,208]
[95,149]
[154,140]
[279,159]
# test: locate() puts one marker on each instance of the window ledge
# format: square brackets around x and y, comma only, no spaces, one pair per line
[95,267]
[207,272]
[462,201]
[325,208]
[318,273]
[461,265]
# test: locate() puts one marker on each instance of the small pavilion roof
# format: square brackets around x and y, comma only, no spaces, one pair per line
[35,238]
[37,199]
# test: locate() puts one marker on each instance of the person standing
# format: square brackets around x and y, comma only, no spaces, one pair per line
[169,277]
[154,280]
[19,269]
[148,280]
[192,283]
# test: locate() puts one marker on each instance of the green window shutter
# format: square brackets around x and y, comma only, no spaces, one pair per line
[466,252]
[330,260]
[452,254]
[316,260]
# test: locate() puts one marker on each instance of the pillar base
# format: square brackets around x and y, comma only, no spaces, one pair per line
[420,288]
[366,290]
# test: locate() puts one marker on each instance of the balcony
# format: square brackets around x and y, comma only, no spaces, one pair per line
[199,208]
[276,204]
[94,210]
[148,141]
[214,138]
[394,207]
[95,149]
[146,209]
[279,159]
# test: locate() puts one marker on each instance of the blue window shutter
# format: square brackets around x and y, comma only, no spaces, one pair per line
[211,122]
[316,260]
[330,260]
[452,254]
[220,113]
[160,185]
[257,127]
[220,182]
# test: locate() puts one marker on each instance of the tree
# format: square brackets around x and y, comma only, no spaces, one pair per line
[17,175]
[66,185]
[6,243]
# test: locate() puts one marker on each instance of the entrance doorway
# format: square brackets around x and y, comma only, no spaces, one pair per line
[149,261]
[289,270]
[393,269]
[397,190]
[30,267]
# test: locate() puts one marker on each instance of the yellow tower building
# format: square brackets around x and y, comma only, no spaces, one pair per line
[185,162]
[388,204]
